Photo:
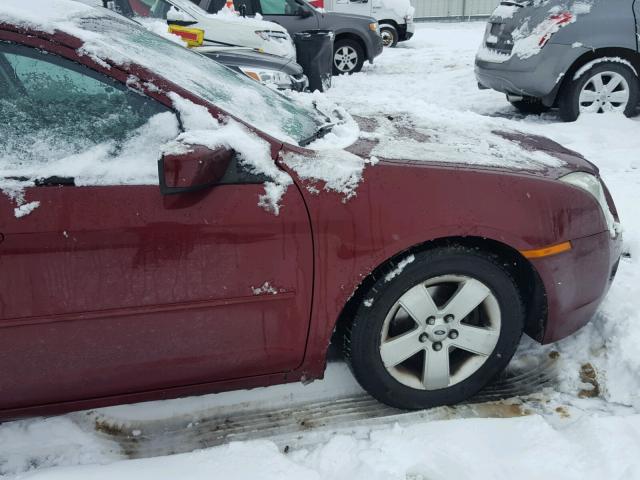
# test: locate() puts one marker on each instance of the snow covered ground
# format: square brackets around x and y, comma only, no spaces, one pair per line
[586,426]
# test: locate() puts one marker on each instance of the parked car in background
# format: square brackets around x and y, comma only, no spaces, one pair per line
[282,72]
[165,231]
[395,17]
[202,28]
[577,56]
[356,36]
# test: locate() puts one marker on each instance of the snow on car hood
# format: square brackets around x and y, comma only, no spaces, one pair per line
[445,141]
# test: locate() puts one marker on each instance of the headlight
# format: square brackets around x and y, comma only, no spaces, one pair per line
[273,35]
[593,185]
[262,75]
[373,26]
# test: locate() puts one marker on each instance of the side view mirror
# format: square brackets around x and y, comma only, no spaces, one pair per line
[195,170]
[304,12]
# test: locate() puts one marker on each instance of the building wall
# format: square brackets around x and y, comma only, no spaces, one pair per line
[426,9]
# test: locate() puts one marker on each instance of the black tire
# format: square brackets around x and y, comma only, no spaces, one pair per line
[569,95]
[529,106]
[389,35]
[362,339]
[352,46]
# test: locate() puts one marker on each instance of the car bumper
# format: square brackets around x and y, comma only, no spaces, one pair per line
[577,281]
[375,46]
[537,76]
[406,31]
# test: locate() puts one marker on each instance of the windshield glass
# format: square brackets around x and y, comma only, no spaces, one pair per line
[110,36]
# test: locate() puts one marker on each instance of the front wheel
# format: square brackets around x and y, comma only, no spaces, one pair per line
[605,87]
[435,330]
[389,35]
[348,57]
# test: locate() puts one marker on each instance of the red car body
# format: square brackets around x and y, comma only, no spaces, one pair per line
[120,294]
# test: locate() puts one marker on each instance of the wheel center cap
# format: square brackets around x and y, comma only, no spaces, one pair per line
[437,332]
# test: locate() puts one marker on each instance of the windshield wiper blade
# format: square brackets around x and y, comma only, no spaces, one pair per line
[321,132]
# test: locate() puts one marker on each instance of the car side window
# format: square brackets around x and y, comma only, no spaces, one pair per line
[56,116]
[279,7]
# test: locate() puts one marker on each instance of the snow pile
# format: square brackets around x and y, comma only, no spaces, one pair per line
[25,209]
[430,134]
[505,11]
[528,448]
[160,28]
[41,443]
[201,128]
[339,170]
[130,162]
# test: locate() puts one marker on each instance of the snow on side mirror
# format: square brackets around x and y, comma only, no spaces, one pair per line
[195,170]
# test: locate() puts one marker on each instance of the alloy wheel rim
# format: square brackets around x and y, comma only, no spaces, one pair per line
[440,332]
[604,92]
[387,38]
[345,59]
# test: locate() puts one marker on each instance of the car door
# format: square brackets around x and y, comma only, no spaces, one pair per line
[106,286]
[292,15]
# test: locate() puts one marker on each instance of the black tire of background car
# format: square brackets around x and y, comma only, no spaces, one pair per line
[529,106]
[345,42]
[361,339]
[392,31]
[568,97]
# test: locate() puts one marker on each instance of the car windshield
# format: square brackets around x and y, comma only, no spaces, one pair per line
[112,37]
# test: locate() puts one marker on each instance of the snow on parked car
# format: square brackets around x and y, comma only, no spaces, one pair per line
[224,28]
[578,56]
[156,287]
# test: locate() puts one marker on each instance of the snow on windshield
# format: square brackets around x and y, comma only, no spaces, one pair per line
[110,37]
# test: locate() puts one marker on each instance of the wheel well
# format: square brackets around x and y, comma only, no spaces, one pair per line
[356,38]
[625,53]
[393,23]
[526,277]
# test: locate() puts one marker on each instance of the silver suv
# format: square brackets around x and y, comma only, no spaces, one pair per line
[577,55]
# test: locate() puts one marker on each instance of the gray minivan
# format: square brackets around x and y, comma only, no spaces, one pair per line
[357,37]
[577,55]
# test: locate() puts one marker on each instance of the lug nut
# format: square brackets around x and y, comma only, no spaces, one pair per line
[431,320]
[453,334]
[423,338]
[437,346]
[449,318]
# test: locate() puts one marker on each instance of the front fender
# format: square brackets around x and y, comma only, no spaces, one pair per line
[397,207]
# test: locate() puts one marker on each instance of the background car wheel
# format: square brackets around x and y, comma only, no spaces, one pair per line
[389,35]
[437,332]
[605,87]
[529,105]
[348,57]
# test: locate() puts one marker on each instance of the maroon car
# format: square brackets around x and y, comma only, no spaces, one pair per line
[145,255]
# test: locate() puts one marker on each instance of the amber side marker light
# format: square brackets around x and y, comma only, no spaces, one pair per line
[547,251]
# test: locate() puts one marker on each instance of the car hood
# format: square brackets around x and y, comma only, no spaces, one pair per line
[398,140]
[329,19]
